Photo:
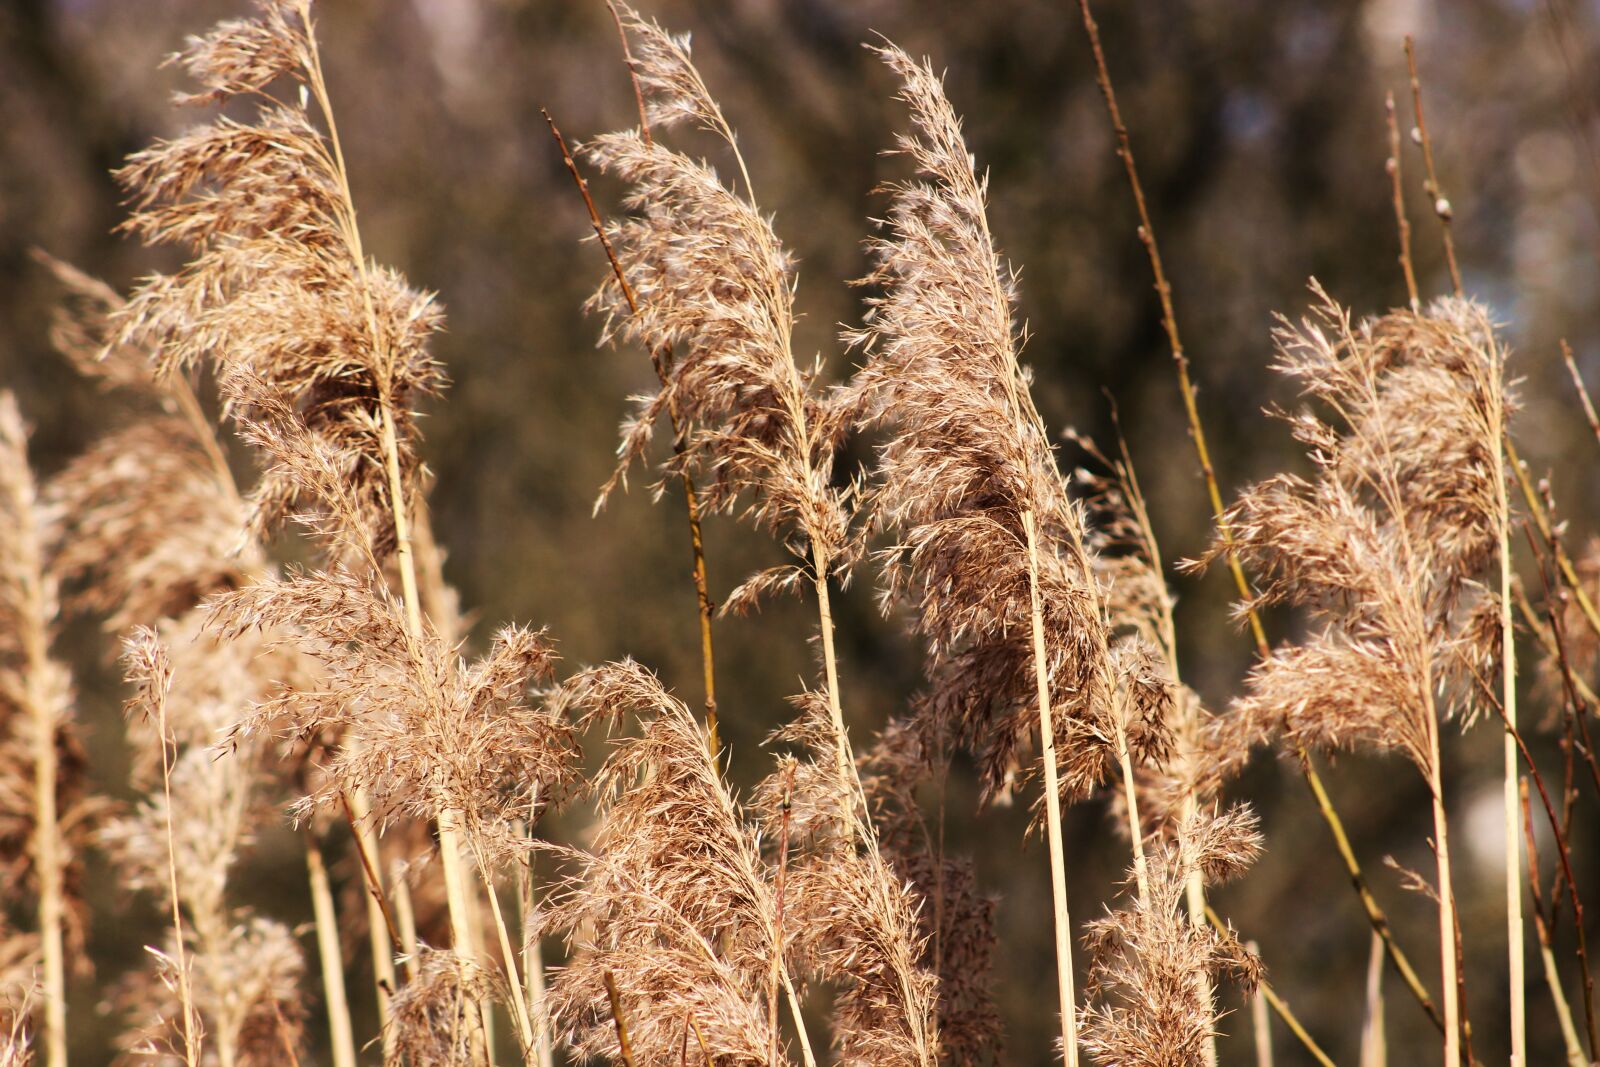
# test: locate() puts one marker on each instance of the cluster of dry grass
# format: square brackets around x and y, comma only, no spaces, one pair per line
[292,648]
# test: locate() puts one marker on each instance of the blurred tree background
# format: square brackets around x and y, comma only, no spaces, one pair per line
[1259,126]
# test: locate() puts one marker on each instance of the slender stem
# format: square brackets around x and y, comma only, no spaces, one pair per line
[777,924]
[1447,904]
[1260,1024]
[1541,519]
[519,1007]
[47,860]
[341,1036]
[1516,948]
[616,1015]
[191,1022]
[532,953]
[382,933]
[1564,855]
[844,758]
[661,359]
[1058,873]
[1552,974]
[1402,223]
[405,918]
[700,1039]
[1279,1006]
[806,1054]
[1582,390]
[1141,874]
[1430,185]
[1374,1044]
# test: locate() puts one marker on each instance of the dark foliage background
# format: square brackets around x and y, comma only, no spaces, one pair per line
[1259,126]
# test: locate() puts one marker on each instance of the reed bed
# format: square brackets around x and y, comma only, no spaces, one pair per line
[254,538]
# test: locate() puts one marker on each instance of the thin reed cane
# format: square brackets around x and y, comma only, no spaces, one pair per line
[1058,873]
[341,1037]
[1515,935]
[1279,1006]
[1552,974]
[661,360]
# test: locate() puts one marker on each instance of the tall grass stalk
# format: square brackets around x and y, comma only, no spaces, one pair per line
[340,1034]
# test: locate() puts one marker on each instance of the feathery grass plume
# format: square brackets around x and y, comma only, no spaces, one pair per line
[1385,545]
[855,919]
[318,354]
[148,520]
[955,921]
[968,457]
[424,731]
[713,281]
[148,523]
[434,1017]
[990,548]
[46,814]
[674,899]
[1151,970]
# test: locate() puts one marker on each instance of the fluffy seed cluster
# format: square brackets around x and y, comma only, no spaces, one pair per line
[1386,542]
[674,901]
[854,917]
[319,355]
[715,289]
[967,463]
[1150,999]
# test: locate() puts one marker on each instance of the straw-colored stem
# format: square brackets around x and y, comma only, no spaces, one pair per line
[1260,1024]
[806,1054]
[1141,873]
[47,855]
[191,1022]
[1058,873]
[405,917]
[532,952]
[1552,974]
[519,1007]
[377,916]
[625,1045]
[1558,1000]
[1279,1006]
[1513,806]
[1374,1044]
[1449,991]
[340,1034]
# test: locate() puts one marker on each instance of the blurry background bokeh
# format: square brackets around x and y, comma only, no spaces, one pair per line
[1259,126]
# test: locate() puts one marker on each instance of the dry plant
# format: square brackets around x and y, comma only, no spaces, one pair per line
[709,280]
[1152,970]
[989,546]
[702,927]
[46,814]
[1385,545]
[673,901]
